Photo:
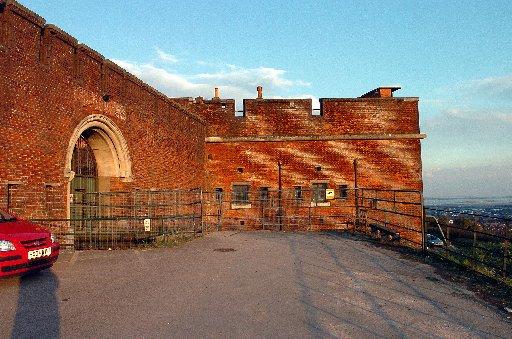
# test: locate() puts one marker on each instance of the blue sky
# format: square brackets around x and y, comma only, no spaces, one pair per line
[455,55]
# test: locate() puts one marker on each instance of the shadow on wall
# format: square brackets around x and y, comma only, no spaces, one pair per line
[37,313]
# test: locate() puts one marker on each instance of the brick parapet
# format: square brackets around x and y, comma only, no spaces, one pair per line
[295,117]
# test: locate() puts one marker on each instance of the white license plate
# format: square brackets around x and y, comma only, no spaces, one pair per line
[43,252]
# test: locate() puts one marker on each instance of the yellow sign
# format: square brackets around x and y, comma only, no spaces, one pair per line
[329,194]
[147,225]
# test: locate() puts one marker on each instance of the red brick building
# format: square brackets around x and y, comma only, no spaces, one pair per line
[72,120]
[56,91]
[376,135]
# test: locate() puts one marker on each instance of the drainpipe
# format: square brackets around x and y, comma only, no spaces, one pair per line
[356,193]
[280,197]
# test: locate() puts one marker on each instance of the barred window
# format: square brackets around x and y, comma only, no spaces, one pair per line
[218,193]
[297,193]
[318,192]
[240,194]
[264,193]
[343,191]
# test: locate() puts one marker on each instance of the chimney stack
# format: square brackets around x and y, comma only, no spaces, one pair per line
[217,93]
[260,92]
[381,92]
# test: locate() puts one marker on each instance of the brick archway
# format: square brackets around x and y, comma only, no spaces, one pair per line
[109,146]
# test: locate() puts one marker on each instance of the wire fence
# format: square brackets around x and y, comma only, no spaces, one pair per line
[392,214]
[287,210]
[107,220]
[479,241]
[104,220]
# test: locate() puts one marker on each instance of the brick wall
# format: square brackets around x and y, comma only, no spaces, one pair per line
[49,83]
[382,133]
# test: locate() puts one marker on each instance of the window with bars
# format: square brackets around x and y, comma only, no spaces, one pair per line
[343,191]
[240,194]
[218,193]
[297,193]
[318,192]
[264,193]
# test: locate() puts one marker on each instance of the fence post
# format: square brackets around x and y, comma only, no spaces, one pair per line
[279,197]
[505,255]
[423,225]
[356,194]
[219,211]
[201,208]
[505,248]
[309,214]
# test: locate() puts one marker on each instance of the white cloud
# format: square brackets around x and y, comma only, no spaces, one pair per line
[233,81]
[497,87]
[503,115]
[172,84]
[249,78]
[166,57]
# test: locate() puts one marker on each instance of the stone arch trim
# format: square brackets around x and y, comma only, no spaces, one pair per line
[108,130]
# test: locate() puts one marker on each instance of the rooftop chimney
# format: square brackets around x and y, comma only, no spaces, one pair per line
[217,93]
[260,92]
[381,92]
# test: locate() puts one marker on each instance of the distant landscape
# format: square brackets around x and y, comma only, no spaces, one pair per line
[494,214]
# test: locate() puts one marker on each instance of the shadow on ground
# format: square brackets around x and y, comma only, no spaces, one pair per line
[37,310]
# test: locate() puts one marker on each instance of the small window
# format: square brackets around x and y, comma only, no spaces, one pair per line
[318,168]
[343,191]
[240,194]
[318,192]
[240,169]
[218,193]
[264,194]
[373,203]
[297,193]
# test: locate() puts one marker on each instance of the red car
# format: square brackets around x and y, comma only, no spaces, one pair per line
[24,246]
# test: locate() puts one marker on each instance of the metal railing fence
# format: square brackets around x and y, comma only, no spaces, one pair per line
[479,241]
[397,214]
[288,210]
[107,220]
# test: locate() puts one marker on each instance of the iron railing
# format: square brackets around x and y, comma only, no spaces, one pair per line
[106,220]
[288,210]
[395,214]
[140,217]
[479,241]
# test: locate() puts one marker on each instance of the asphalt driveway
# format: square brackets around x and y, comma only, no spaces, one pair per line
[257,284]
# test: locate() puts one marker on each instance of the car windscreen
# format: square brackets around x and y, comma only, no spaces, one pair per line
[6,217]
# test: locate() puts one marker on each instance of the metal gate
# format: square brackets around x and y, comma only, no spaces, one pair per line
[108,220]
[291,209]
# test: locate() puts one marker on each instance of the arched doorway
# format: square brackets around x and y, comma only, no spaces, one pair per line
[83,163]
[97,153]
[84,185]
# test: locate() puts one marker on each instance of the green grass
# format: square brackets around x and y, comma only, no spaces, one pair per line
[485,266]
